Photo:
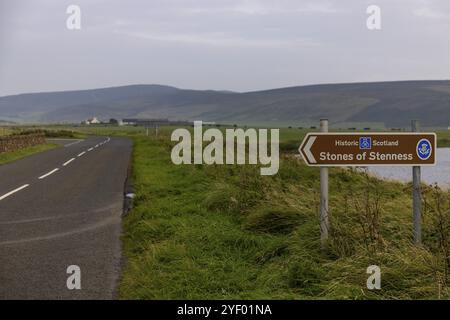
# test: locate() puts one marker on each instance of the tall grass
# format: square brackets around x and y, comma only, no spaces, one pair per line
[216,232]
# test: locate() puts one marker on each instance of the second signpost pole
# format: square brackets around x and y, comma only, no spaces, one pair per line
[324,222]
[417,198]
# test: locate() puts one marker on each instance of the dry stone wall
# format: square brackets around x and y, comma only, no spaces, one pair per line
[17,142]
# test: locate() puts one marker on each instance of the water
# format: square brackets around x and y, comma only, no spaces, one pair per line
[439,174]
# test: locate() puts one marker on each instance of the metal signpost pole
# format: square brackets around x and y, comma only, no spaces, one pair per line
[417,199]
[324,223]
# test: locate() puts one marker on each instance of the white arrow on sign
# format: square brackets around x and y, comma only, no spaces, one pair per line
[307,149]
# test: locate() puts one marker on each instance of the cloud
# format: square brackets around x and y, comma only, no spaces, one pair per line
[263,8]
[429,13]
[245,44]
[428,10]
[217,39]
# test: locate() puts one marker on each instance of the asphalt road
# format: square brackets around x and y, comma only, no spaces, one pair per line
[51,219]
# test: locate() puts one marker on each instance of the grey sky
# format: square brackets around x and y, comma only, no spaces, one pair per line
[237,45]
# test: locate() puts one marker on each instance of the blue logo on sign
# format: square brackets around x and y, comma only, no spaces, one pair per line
[424,149]
[365,143]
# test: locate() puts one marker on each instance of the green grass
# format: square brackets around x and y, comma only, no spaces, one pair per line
[443,139]
[225,232]
[6,157]
[4,131]
[83,131]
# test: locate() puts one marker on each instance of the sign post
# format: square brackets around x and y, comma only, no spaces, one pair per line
[369,149]
[417,199]
[324,149]
[324,221]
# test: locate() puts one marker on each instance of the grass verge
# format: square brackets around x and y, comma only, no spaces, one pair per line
[225,232]
[6,157]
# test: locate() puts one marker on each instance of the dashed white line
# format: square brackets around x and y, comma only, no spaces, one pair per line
[67,162]
[54,170]
[14,191]
[47,174]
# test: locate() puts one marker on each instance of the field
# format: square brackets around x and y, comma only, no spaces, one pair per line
[4,131]
[290,138]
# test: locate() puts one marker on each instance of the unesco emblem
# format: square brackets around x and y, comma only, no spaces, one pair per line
[424,149]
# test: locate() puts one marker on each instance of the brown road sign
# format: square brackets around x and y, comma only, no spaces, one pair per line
[369,149]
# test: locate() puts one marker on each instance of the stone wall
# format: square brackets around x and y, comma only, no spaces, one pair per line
[17,142]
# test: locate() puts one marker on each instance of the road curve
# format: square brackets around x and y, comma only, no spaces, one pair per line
[61,208]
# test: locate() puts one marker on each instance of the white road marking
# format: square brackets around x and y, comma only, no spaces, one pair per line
[54,170]
[71,144]
[66,163]
[14,191]
[49,173]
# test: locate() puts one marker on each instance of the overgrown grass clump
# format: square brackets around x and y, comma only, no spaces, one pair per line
[226,232]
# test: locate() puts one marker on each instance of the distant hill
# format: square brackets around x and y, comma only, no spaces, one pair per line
[391,103]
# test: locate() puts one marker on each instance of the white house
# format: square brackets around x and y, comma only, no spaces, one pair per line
[93,120]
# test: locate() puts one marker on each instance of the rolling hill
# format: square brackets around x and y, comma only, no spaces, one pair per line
[391,103]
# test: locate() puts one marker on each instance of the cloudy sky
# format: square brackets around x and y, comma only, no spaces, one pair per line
[239,45]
